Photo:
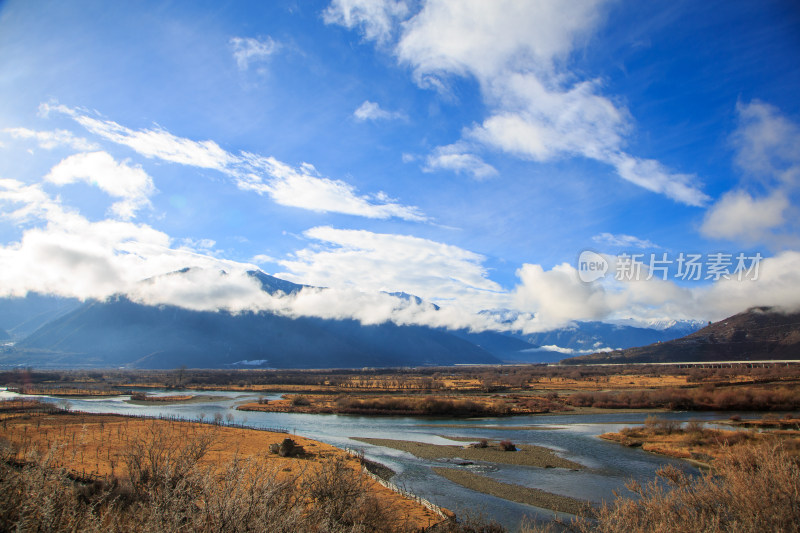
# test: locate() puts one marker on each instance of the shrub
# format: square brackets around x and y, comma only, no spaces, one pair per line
[507,446]
[754,488]
[172,490]
[299,401]
[661,426]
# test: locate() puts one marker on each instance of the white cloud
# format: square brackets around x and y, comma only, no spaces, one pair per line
[558,297]
[247,50]
[767,144]
[623,241]
[538,108]
[68,255]
[375,18]
[768,152]
[152,143]
[206,245]
[393,263]
[52,139]
[301,187]
[119,180]
[737,215]
[485,38]
[372,111]
[260,259]
[652,175]
[456,157]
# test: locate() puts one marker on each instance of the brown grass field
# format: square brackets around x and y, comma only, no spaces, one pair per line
[695,442]
[95,447]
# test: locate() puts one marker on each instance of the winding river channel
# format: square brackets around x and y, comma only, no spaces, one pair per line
[608,465]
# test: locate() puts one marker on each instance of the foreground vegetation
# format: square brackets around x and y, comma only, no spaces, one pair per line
[755,488]
[73,472]
[699,443]
[68,472]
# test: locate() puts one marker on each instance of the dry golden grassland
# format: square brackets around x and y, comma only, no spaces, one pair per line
[704,445]
[99,447]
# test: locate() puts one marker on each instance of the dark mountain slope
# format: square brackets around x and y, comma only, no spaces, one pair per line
[122,333]
[758,333]
[22,316]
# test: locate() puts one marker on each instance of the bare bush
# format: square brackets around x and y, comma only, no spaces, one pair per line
[341,501]
[172,489]
[751,489]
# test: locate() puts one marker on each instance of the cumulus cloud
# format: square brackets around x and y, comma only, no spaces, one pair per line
[52,139]
[767,143]
[539,109]
[66,254]
[737,215]
[393,263]
[456,157]
[557,296]
[374,18]
[372,111]
[767,148]
[301,186]
[119,180]
[247,50]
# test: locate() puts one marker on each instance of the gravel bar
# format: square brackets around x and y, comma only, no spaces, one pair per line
[515,493]
[526,455]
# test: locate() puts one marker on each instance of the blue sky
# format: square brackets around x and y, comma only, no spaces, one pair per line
[466,152]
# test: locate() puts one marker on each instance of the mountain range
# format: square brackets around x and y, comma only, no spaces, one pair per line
[56,332]
[760,333]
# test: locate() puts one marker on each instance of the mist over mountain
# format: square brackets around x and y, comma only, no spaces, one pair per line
[20,317]
[120,332]
[582,337]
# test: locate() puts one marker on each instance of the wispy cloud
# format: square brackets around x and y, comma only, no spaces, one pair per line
[623,241]
[247,50]
[151,143]
[52,139]
[457,158]
[372,111]
[301,187]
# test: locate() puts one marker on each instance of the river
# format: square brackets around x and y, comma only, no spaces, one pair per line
[608,465]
